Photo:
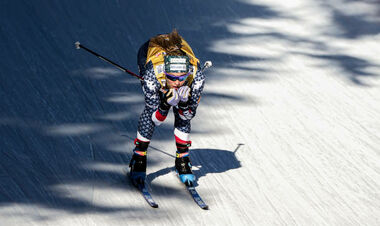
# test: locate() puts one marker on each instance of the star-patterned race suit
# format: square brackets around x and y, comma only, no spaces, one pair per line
[153,115]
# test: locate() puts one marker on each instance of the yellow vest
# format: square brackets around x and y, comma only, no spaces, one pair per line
[156,56]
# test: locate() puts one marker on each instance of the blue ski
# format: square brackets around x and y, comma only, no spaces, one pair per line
[147,196]
[197,198]
[140,185]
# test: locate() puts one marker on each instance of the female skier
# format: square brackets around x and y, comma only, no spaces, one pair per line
[172,79]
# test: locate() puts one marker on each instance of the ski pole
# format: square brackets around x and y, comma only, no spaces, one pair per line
[206,65]
[79,46]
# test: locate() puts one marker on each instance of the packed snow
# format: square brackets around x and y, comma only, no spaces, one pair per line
[287,131]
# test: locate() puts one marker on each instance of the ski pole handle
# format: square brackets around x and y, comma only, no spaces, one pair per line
[80,46]
[206,65]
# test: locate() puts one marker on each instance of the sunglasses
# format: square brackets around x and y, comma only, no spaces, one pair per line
[175,78]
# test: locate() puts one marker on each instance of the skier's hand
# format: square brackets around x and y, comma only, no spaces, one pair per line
[184,111]
[183,106]
[183,93]
[171,97]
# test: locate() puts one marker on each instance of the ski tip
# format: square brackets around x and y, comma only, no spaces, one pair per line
[205,208]
[155,206]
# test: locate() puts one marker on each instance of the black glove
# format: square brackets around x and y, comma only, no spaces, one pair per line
[184,111]
[169,98]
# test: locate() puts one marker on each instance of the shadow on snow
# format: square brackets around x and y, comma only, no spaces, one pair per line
[61,112]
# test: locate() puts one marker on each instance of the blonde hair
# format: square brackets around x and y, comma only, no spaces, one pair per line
[171,43]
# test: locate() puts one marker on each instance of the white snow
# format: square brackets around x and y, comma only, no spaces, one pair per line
[287,132]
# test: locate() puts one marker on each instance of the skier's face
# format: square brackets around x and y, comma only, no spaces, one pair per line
[177,83]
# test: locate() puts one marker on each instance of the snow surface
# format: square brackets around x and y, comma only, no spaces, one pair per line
[287,133]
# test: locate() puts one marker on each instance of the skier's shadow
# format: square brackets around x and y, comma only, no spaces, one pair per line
[204,161]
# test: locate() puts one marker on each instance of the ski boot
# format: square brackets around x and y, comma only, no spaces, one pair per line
[137,164]
[183,164]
